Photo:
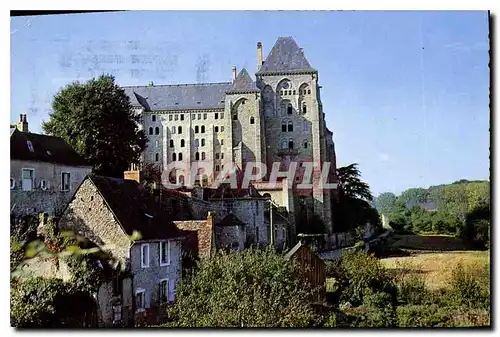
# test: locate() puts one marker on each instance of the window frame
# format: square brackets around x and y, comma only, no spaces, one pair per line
[69,181]
[153,118]
[168,254]
[143,300]
[167,285]
[144,265]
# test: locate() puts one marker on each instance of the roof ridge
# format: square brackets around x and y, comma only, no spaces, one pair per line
[173,85]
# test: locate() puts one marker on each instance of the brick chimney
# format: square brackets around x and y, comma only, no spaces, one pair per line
[134,173]
[259,55]
[22,125]
[234,73]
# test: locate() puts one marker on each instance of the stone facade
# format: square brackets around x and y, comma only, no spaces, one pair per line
[278,118]
[46,194]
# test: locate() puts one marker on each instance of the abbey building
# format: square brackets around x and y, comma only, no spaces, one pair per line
[276,118]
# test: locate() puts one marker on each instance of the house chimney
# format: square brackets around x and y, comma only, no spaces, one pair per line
[22,125]
[234,73]
[134,174]
[259,55]
[150,83]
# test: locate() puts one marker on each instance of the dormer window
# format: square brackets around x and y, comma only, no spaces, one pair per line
[30,146]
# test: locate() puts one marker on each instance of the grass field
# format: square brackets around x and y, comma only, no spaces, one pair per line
[434,256]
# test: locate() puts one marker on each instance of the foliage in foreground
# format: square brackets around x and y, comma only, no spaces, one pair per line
[255,288]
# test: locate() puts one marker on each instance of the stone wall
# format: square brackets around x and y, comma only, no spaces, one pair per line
[200,239]
[88,215]
[230,237]
[51,200]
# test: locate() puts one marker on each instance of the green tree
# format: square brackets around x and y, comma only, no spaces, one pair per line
[255,288]
[414,196]
[96,119]
[385,202]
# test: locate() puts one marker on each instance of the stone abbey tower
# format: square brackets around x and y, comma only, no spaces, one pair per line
[278,118]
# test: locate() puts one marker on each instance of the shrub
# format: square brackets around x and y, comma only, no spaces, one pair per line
[360,273]
[255,288]
[470,286]
[371,317]
[416,316]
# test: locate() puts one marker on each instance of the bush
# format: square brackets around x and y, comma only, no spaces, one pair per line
[416,316]
[470,286]
[361,274]
[47,303]
[255,288]
[370,317]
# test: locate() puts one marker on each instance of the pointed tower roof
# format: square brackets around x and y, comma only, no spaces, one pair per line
[286,57]
[243,83]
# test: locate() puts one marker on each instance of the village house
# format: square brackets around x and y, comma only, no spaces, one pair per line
[44,171]
[107,211]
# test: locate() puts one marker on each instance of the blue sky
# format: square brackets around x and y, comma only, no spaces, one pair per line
[406,94]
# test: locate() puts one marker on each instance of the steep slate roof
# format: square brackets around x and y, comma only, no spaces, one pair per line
[135,208]
[179,96]
[230,220]
[286,56]
[45,148]
[243,83]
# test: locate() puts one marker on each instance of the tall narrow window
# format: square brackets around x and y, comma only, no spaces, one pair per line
[283,126]
[153,118]
[145,255]
[221,129]
[304,108]
[193,116]
[179,129]
[217,155]
[164,291]
[217,168]
[28,176]
[204,116]
[216,129]
[305,144]
[196,129]
[157,143]
[252,120]
[199,116]
[203,142]
[173,130]
[171,143]
[290,144]
[150,130]
[157,130]
[216,115]
[289,109]
[157,157]
[65,181]
[182,117]
[235,117]
[290,126]
[203,129]
[180,156]
[203,156]
[221,115]
[176,117]
[222,142]
[283,109]
[197,156]
[170,117]
[140,299]
[174,156]
[222,155]
[182,142]
[164,253]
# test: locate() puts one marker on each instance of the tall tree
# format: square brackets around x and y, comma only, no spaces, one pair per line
[385,202]
[353,208]
[96,119]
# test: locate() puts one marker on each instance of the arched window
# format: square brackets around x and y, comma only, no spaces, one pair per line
[181,180]
[252,120]
[157,157]
[290,126]
[196,142]
[196,129]
[203,129]
[197,156]
[174,157]
[216,129]
[182,141]
[157,131]
[203,142]
[283,109]
[289,109]
[203,156]
[179,129]
[290,143]
[180,156]
[283,126]
[306,144]
[151,130]
[304,108]
[173,129]
[171,143]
